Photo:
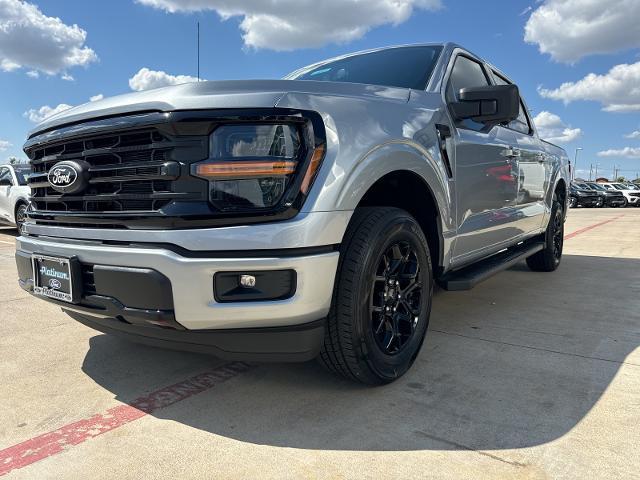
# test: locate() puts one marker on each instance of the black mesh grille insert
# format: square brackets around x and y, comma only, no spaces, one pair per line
[129,172]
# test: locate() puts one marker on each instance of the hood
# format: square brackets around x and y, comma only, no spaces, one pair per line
[212,95]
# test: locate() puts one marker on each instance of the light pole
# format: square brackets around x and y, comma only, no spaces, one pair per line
[575,162]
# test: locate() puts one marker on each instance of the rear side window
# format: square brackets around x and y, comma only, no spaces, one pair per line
[466,73]
[520,124]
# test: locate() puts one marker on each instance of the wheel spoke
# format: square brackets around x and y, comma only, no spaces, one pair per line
[395,297]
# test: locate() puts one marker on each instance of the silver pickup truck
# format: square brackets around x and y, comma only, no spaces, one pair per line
[291,219]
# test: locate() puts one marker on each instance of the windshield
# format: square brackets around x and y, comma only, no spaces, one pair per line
[22,174]
[619,187]
[404,67]
[584,186]
[595,186]
[631,186]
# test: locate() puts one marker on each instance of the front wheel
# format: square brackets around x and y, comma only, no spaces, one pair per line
[382,297]
[573,202]
[548,259]
[21,215]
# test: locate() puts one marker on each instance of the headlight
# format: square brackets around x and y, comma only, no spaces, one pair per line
[256,166]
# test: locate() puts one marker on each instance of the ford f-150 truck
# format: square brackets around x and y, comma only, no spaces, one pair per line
[291,219]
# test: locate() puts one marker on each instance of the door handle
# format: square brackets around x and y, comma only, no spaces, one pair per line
[511,153]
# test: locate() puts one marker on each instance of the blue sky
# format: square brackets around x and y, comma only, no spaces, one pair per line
[126,36]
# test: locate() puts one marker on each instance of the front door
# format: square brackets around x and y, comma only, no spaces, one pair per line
[5,208]
[486,174]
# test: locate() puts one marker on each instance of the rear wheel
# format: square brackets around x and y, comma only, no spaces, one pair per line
[573,202]
[548,259]
[382,297]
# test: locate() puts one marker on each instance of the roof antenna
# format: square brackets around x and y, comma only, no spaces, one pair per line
[198,35]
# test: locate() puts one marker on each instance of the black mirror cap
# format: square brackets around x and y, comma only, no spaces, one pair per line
[490,104]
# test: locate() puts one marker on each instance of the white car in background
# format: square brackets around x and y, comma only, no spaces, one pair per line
[630,193]
[14,193]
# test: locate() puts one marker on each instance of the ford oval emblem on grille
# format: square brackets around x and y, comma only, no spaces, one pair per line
[68,176]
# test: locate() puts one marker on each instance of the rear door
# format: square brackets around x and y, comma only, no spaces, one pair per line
[534,167]
[486,172]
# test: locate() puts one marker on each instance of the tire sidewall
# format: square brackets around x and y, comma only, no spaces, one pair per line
[555,211]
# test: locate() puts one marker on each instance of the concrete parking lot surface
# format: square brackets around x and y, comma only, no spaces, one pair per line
[529,375]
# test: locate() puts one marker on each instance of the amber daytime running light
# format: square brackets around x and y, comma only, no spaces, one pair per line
[242,169]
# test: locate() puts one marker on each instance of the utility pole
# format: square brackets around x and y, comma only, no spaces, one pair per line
[590,171]
[575,162]
[198,48]
[596,171]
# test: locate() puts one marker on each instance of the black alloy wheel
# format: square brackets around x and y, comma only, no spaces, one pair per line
[396,292]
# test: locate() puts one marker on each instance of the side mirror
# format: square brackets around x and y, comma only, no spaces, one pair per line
[5,182]
[491,104]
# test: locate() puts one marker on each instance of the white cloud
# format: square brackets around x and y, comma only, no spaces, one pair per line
[44,112]
[67,77]
[626,152]
[292,24]
[618,90]
[33,74]
[95,98]
[571,29]
[146,79]
[551,127]
[634,134]
[4,144]
[30,39]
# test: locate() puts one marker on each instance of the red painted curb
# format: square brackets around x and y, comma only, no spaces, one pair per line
[52,443]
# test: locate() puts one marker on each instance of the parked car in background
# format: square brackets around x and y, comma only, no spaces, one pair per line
[584,197]
[14,193]
[612,198]
[631,194]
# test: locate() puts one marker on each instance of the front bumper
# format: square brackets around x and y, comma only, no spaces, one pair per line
[192,316]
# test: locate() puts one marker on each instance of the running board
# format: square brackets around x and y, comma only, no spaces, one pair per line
[468,277]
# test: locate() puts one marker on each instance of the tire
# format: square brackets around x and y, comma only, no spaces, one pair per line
[20,215]
[600,203]
[573,202]
[548,259]
[625,204]
[373,334]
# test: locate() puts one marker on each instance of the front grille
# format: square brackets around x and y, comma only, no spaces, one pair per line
[128,172]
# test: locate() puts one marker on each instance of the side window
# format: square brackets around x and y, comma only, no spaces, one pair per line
[465,73]
[5,174]
[520,124]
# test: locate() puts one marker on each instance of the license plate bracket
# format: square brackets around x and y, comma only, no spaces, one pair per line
[57,277]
